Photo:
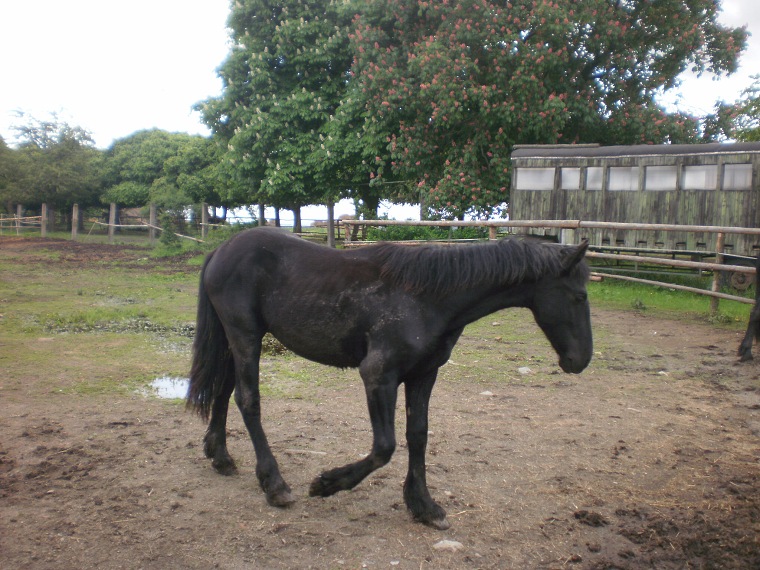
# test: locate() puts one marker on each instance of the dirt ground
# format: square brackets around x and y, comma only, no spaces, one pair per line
[649,459]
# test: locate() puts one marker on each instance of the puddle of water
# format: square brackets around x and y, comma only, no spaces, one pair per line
[170,387]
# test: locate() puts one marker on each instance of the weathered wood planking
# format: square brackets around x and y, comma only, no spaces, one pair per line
[715,206]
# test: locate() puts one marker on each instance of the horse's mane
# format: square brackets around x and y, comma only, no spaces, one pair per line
[441,270]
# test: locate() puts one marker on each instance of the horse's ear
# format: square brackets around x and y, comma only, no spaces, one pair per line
[573,256]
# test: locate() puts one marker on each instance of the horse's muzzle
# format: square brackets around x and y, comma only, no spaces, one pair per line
[574,364]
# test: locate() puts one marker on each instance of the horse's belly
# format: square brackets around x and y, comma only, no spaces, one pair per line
[327,343]
[330,331]
[343,354]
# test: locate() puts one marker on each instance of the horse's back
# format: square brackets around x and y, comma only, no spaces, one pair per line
[316,300]
[267,251]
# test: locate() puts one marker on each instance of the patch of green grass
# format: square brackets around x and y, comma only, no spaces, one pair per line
[665,302]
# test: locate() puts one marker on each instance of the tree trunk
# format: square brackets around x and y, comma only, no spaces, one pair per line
[297,220]
[262,217]
[330,223]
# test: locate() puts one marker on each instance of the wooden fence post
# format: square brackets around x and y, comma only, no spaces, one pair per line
[43,220]
[111,222]
[717,275]
[75,222]
[152,219]
[19,211]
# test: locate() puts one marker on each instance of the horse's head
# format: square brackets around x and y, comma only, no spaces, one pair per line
[560,307]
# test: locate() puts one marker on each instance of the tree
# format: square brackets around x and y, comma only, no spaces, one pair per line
[55,163]
[8,174]
[739,120]
[194,173]
[283,80]
[134,163]
[448,88]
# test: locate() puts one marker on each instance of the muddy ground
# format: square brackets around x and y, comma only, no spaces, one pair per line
[649,459]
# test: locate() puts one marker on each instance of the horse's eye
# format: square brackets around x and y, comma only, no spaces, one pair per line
[581,297]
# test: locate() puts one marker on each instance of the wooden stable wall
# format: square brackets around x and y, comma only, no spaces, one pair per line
[716,206]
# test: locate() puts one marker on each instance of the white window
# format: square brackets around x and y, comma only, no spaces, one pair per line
[623,178]
[700,177]
[594,177]
[570,178]
[660,178]
[535,179]
[737,177]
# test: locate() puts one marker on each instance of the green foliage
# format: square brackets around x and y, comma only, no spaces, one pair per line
[445,89]
[172,170]
[407,233]
[55,163]
[8,174]
[739,120]
[283,80]
[128,194]
[169,240]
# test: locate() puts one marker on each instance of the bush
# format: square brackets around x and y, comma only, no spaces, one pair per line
[408,233]
[169,240]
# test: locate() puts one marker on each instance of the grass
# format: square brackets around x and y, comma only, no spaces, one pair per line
[112,327]
[137,322]
[666,302]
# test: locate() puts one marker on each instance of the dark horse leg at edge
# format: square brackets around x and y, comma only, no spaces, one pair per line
[753,327]
[394,312]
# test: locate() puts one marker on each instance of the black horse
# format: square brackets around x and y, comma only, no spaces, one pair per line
[753,327]
[393,311]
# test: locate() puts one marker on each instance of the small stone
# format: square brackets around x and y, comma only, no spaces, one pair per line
[451,545]
[487,393]
[524,370]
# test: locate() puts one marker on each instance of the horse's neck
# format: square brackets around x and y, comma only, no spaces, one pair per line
[468,306]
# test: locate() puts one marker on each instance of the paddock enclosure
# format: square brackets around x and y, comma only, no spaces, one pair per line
[691,185]
[648,459]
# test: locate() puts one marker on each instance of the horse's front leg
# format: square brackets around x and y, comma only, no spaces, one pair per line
[416,495]
[248,399]
[381,389]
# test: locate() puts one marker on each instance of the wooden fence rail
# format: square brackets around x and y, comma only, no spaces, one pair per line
[563,224]
[717,268]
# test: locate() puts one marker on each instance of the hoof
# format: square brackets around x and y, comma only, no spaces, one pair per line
[225,467]
[317,488]
[438,524]
[323,486]
[281,500]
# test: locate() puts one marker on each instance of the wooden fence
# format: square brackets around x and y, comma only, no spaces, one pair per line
[574,233]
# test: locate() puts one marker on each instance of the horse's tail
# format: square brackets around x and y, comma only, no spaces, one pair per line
[213,366]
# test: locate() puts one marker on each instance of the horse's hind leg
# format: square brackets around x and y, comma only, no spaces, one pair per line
[745,348]
[753,331]
[215,441]
[248,400]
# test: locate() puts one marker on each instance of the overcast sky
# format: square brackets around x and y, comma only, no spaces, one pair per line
[114,68]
